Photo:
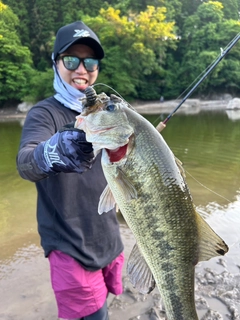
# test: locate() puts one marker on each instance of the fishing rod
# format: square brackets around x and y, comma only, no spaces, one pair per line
[162,124]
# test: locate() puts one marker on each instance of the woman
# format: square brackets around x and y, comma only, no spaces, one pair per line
[84,249]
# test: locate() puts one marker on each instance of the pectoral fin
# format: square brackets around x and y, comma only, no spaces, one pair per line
[139,272]
[127,188]
[210,245]
[106,201]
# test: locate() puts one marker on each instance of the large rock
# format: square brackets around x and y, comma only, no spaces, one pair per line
[234,104]
[24,107]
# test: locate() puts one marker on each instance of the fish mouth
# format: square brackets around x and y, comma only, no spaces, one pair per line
[121,152]
[117,154]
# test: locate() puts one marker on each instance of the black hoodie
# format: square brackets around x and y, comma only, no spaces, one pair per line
[67,203]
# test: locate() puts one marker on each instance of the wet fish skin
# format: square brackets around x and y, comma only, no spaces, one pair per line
[152,194]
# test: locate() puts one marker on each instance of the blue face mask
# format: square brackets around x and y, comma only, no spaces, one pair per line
[69,96]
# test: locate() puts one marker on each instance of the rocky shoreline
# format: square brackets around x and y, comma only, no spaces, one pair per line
[143,107]
[26,282]
[156,107]
[11,114]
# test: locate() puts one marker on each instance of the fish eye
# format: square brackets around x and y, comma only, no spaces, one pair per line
[110,107]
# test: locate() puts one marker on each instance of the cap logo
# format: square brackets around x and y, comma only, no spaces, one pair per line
[81,33]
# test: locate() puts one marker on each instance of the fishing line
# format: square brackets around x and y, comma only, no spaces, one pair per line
[202,185]
[104,84]
[205,73]
[217,194]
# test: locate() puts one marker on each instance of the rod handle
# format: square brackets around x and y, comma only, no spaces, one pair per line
[160,127]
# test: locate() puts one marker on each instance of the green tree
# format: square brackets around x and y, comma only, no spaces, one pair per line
[135,48]
[41,86]
[204,33]
[15,59]
[42,30]
[226,77]
[40,20]
[231,9]
[127,6]
[22,9]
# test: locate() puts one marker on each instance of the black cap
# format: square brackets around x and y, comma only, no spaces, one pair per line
[77,32]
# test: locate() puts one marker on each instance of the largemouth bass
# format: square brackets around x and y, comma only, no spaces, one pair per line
[147,183]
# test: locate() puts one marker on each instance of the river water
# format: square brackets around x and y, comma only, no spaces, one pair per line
[208,144]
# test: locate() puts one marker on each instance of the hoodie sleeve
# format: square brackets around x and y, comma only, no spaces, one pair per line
[39,126]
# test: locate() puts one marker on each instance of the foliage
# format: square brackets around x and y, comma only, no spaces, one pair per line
[153,47]
[135,49]
[16,62]
[204,34]
[231,9]
[41,84]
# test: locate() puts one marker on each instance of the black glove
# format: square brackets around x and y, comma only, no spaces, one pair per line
[66,151]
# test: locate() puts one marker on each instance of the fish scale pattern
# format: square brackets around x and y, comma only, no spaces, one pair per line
[162,220]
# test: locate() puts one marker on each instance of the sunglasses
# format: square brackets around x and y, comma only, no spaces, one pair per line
[72,63]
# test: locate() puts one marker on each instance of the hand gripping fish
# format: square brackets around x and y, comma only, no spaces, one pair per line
[147,183]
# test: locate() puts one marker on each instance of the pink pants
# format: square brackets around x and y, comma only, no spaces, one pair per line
[80,292]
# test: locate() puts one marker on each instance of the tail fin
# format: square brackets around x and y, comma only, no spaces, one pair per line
[211,245]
